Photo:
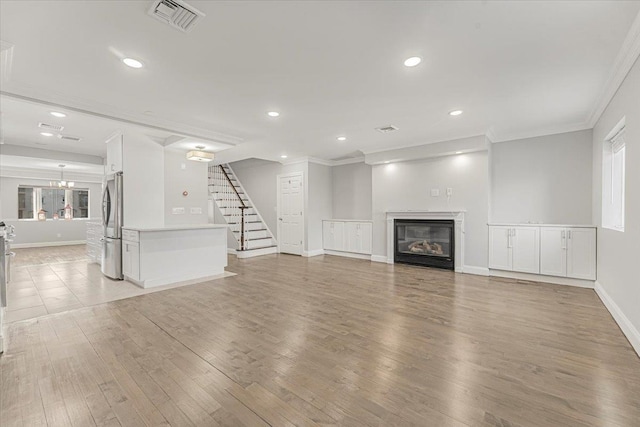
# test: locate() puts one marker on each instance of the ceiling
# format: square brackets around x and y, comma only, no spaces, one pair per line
[329,68]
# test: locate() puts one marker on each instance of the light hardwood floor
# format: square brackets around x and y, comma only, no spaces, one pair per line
[327,341]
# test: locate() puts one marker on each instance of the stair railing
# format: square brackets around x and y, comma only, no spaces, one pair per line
[231,200]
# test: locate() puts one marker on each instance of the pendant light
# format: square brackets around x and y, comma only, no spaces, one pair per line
[62,183]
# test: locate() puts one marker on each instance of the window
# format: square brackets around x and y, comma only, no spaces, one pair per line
[613,180]
[52,201]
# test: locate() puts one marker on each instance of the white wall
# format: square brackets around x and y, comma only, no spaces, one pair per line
[45,232]
[320,203]
[352,191]
[407,185]
[545,179]
[619,252]
[143,181]
[182,175]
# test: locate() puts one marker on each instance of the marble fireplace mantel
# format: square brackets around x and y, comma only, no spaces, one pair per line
[456,216]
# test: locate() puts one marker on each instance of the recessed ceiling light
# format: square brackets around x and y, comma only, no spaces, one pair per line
[133,63]
[413,61]
[387,162]
[46,134]
[284,156]
[57,114]
[458,152]
[455,112]
[342,138]
[273,114]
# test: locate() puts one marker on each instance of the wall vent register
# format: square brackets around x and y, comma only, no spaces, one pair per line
[176,13]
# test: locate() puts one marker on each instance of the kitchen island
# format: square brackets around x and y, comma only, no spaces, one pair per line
[157,256]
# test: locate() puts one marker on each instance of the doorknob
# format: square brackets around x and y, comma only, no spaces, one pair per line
[280,219]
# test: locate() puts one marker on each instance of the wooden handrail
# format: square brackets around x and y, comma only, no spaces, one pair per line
[242,207]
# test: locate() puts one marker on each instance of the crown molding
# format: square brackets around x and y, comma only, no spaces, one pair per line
[48,175]
[359,159]
[627,57]
[535,133]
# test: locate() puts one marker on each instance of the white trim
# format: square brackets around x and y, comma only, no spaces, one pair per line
[473,269]
[304,210]
[627,56]
[538,132]
[256,252]
[46,244]
[349,255]
[457,217]
[6,59]
[315,252]
[347,161]
[379,258]
[568,281]
[231,251]
[628,329]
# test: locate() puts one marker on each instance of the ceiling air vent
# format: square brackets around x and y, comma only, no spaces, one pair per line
[176,13]
[47,126]
[69,138]
[387,129]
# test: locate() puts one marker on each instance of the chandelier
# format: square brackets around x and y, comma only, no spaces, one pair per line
[62,183]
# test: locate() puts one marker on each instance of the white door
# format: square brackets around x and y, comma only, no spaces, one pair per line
[581,253]
[553,251]
[290,214]
[499,248]
[525,246]
[365,238]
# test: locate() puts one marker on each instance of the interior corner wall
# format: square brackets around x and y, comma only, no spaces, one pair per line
[182,175]
[618,252]
[546,179]
[352,191]
[320,204]
[407,186]
[143,181]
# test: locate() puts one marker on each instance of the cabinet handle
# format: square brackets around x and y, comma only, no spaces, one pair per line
[563,240]
[569,234]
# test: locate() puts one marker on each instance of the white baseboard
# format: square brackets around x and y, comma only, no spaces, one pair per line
[379,258]
[256,252]
[348,254]
[231,251]
[46,244]
[314,252]
[580,283]
[630,331]
[472,269]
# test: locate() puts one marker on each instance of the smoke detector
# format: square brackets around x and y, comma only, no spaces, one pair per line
[69,138]
[176,13]
[48,126]
[387,129]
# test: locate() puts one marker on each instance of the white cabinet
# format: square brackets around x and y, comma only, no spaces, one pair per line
[333,235]
[514,249]
[131,259]
[568,252]
[114,154]
[347,236]
[94,245]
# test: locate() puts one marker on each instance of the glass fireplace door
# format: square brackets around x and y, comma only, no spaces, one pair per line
[425,242]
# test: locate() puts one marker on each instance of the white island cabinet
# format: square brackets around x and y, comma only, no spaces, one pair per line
[173,254]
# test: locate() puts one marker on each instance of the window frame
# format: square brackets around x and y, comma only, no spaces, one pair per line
[37,200]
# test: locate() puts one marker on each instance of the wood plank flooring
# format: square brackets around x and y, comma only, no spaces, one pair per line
[326,341]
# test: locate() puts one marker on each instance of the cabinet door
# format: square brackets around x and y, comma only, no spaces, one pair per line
[365,238]
[131,259]
[338,236]
[581,253]
[525,246]
[553,251]
[499,248]
[114,154]
[327,235]
[351,236]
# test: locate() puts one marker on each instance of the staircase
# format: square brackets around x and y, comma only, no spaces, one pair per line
[249,230]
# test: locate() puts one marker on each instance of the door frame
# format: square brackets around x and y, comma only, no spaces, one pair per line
[278,207]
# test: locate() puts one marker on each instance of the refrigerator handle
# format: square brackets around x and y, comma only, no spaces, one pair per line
[105,204]
[118,205]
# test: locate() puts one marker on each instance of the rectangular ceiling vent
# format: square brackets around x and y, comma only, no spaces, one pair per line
[47,126]
[69,138]
[387,129]
[176,13]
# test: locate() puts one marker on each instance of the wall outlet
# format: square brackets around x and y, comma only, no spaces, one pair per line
[435,192]
[195,211]
[177,211]
[449,191]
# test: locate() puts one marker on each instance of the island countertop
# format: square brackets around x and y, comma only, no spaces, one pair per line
[177,227]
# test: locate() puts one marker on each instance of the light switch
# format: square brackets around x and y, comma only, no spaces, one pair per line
[196,211]
[449,191]
[435,192]
[177,211]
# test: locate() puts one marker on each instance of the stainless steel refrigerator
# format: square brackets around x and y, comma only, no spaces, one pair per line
[112,226]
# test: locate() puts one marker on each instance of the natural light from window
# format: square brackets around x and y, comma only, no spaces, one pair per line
[613,178]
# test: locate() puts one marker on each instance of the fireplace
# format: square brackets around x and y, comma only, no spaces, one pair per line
[426,242]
